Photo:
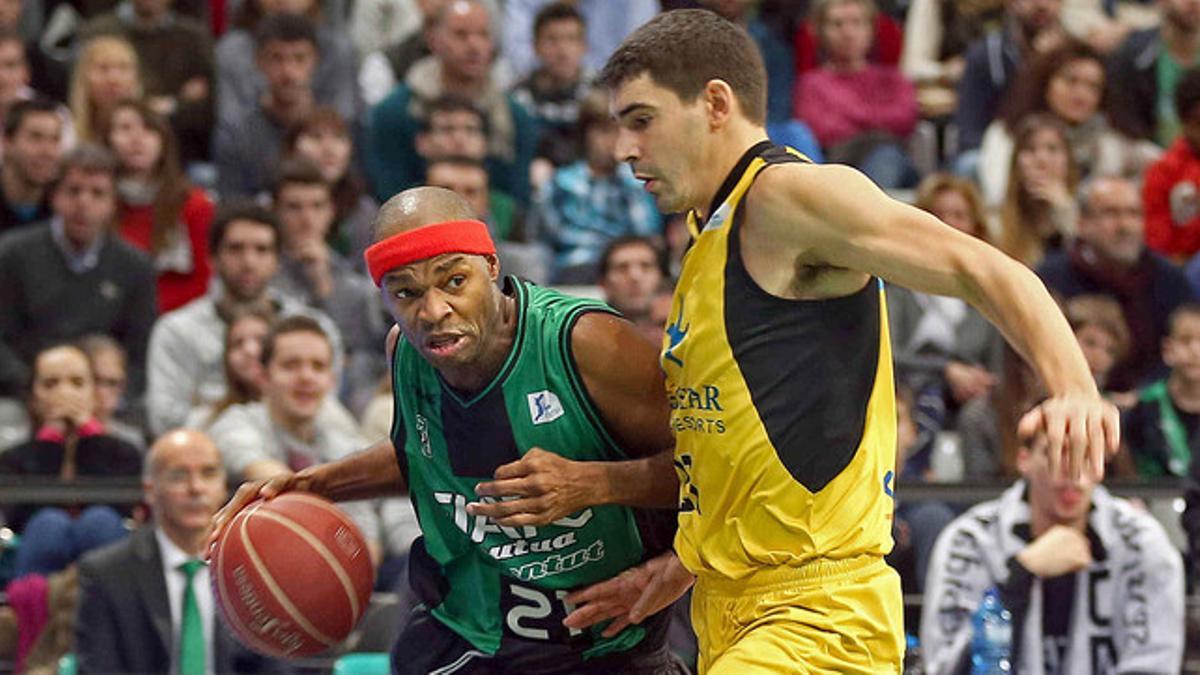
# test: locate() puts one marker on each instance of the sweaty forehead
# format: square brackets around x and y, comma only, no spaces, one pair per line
[419,207]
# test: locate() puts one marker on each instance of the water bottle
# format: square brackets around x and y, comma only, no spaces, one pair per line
[914,664]
[991,645]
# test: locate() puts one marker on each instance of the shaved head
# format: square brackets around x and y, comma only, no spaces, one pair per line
[419,207]
[179,441]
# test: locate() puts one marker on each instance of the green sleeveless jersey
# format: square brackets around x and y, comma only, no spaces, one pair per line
[491,582]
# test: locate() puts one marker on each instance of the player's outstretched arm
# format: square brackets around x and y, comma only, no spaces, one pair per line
[834,216]
[621,373]
[366,474]
[373,472]
[632,595]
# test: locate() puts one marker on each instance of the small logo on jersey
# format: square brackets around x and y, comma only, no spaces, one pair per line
[718,218]
[423,433]
[887,484]
[110,291]
[544,407]
[676,332]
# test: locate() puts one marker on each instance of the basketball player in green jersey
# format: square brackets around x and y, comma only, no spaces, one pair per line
[483,375]
[779,372]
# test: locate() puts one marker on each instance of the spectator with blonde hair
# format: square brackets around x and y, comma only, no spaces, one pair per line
[105,74]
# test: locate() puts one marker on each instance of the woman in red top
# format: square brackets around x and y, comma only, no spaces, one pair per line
[160,211]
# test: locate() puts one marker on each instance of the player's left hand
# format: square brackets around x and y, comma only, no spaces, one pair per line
[1077,432]
[631,596]
[537,489]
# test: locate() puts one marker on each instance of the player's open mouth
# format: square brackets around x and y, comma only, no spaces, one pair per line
[443,345]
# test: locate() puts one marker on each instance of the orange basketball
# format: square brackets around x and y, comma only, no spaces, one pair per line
[292,575]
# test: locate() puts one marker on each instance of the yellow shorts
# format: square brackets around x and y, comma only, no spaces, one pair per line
[844,616]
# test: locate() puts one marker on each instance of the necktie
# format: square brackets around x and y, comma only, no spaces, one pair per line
[191,630]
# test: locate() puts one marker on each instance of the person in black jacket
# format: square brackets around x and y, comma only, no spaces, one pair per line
[67,442]
[72,276]
[131,594]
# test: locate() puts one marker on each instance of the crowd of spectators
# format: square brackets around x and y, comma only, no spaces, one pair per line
[187,189]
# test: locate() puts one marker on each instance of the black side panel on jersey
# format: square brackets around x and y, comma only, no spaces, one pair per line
[809,364]
[479,438]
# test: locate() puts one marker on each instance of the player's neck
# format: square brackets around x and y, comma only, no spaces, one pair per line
[725,152]
[473,377]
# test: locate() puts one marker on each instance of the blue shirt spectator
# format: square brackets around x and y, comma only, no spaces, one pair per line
[588,204]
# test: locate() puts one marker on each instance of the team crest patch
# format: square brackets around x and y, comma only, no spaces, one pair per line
[544,407]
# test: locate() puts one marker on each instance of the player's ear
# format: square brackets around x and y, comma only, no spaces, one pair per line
[719,102]
[493,263]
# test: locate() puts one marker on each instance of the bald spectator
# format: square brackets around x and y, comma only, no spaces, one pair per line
[133,595]
[74,275]
[392,35]
[1110,258]
[461,65]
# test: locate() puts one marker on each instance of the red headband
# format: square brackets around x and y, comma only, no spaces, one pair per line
[452,236]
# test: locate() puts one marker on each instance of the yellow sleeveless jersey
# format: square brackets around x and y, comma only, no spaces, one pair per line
[783,410]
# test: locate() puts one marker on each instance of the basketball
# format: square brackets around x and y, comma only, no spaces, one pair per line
[292,575]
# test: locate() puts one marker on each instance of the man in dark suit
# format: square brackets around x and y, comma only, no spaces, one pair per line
[137,613]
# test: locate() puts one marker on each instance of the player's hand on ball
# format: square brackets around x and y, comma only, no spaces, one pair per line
[537,489]
[1077,433]
[249,491]
[632,595]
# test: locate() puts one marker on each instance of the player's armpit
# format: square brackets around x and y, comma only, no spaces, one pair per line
[834,216]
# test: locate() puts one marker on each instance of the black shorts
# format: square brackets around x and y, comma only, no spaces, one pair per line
[428,647]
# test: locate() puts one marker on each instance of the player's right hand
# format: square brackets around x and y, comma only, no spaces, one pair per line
[248,492]
[632,595]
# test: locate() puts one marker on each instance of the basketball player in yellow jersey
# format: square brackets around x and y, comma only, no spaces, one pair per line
[779,372]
